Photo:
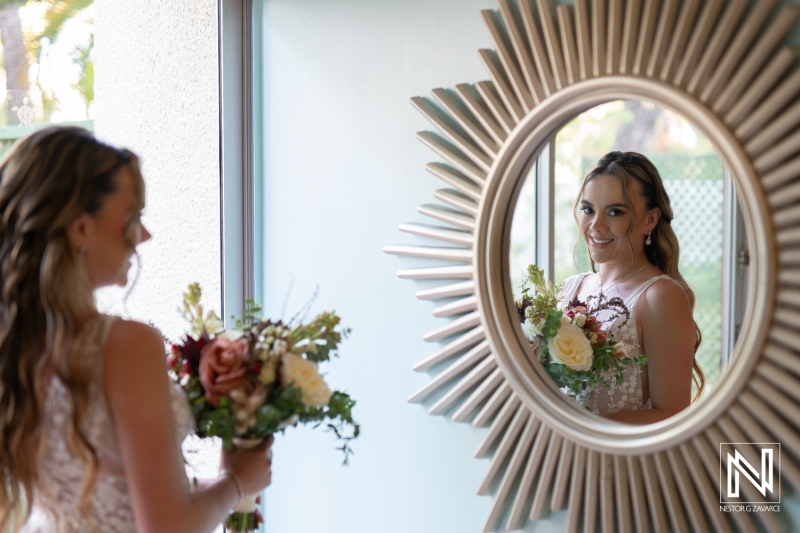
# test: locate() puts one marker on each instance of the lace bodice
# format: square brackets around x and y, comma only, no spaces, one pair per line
[631,394]
[57,493]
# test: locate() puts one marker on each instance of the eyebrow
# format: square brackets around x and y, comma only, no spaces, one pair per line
[587,202]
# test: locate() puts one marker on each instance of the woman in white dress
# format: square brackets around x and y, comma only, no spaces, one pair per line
[90,426]
[635,288]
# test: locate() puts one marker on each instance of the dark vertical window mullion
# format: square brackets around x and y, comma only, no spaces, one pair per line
[545,210]
[236,154]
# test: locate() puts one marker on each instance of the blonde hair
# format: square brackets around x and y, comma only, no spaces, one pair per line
[664,251]
[47,180]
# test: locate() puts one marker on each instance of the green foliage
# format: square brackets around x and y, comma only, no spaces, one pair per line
[242,522]
[539,308]
[322,336]
[539,299]
[606,369]
[58,13]
[10,4]
[269,345]
[250,315]
[340,409]
[552,321]
[83,58]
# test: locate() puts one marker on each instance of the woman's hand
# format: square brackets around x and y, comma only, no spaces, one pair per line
[253,466]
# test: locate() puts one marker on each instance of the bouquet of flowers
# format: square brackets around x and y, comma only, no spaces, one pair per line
[571,345]
[249,383]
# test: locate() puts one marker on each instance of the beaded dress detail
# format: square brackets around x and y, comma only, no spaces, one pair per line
[57,493]
[619,321]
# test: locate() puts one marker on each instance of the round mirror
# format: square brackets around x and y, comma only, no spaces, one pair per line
[495,290]
[738,88]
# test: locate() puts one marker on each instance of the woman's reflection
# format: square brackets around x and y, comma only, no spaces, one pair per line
[623,214]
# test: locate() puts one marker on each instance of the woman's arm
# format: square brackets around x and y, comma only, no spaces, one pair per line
[137,389]
[668,337]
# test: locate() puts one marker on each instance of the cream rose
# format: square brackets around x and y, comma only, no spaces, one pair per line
[570,347]
[305,376]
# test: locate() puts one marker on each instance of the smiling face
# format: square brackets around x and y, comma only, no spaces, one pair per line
[613,229]
[112,233]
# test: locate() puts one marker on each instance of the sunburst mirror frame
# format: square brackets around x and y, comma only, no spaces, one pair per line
[724,67]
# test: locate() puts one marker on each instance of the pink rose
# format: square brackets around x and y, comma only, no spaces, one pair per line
[578,309]
[222,367]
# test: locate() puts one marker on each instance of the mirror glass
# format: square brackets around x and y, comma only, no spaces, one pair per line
[713,251]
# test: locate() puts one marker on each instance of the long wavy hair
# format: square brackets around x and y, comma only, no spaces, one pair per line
[664,252]
[47,180]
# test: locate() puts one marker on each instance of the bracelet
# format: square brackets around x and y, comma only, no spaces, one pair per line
[238,482]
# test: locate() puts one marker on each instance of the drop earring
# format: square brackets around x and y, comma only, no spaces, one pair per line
[648,241]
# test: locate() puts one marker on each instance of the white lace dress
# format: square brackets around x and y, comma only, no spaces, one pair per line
[632,393]
[56,496]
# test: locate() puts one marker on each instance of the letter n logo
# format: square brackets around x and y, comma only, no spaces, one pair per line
[738,471]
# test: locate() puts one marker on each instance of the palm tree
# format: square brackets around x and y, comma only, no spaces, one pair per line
[15,55]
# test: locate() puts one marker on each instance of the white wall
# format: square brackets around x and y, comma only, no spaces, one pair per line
[156,90]
[343,169]
[157,93]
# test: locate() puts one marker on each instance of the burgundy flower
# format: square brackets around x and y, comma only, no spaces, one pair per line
[190,351]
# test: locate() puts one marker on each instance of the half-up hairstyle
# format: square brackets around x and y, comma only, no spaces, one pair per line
[47,180]
[664,251]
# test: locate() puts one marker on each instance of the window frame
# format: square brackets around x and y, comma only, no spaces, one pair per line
[238,136]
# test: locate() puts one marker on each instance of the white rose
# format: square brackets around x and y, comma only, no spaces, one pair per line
[305,376]
[530,329]
[570,347]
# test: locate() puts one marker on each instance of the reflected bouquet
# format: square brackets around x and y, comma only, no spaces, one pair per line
[257,380]
[570,344]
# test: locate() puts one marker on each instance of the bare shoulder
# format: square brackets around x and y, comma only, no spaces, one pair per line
[133,349]
[127,335]
[665,298]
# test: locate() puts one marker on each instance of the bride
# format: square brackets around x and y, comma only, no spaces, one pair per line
[90,426]
[624,216]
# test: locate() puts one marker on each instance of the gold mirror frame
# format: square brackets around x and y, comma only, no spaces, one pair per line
[722,68]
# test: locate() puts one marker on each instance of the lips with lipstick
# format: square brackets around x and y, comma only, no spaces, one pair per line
[597,241]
